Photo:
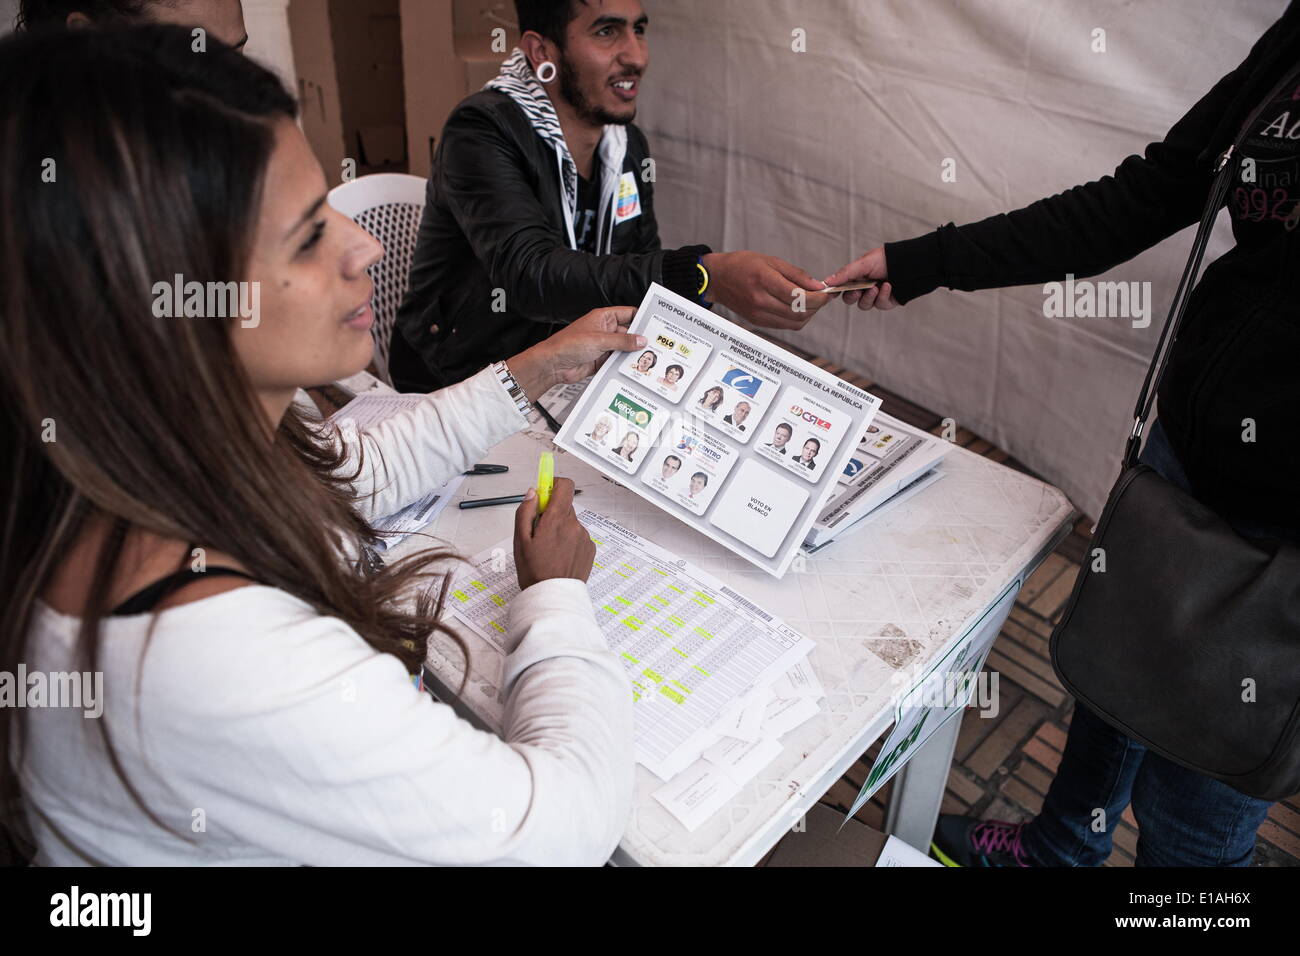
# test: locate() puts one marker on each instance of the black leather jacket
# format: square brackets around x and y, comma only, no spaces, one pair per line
[493,270]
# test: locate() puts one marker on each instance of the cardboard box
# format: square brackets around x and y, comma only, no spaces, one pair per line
[823,843]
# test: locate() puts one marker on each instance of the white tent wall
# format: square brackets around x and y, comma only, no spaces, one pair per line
[818,156]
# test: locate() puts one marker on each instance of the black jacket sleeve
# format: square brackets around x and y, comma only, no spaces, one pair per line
[483,177]
[1085,230]
[677,271]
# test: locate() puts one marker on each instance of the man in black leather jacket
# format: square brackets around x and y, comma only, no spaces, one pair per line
[540,207]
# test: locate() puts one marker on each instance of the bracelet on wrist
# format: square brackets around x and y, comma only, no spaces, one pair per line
[704,282]
[512,387]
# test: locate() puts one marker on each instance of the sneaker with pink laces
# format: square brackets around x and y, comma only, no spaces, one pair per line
[966,841]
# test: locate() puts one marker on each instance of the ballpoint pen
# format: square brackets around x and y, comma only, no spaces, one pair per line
[489,502]
[551,423]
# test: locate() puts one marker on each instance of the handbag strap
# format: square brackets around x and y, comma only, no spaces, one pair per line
[1229,160]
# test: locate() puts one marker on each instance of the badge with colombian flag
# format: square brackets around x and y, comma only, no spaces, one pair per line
[627,204]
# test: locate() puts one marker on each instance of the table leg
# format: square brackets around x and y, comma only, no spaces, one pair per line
[918,788]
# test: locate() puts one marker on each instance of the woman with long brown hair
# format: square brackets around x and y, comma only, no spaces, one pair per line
[172,523]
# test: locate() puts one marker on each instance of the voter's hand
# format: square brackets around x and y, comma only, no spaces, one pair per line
[870,266]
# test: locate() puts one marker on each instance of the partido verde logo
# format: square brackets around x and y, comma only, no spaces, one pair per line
[624,407]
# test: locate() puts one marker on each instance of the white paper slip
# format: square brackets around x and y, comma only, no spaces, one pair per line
[799,681]
[364,382]
[745,720]
[705,787]
[742,760]
[898,853]
[878,513]
[371,408]
[697,793]
[783,716]
[730,433]
[691,647]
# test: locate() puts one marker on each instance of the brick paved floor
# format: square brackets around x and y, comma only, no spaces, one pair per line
[1003,764]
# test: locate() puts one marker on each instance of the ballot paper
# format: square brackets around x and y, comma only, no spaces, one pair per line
[720,428]
[690,645]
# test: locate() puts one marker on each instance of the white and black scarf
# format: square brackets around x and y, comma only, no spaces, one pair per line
[518,81]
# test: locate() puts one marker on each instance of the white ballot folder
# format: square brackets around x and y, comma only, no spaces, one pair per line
[726,431]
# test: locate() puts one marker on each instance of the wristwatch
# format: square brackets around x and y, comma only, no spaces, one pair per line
[511,385]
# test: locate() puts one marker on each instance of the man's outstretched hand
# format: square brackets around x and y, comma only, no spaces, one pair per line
[764,289]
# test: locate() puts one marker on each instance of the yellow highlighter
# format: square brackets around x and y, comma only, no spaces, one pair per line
[545,481]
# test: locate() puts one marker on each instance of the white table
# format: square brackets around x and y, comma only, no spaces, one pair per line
[890,596]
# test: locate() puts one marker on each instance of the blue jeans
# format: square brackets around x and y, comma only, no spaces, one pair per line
[1184,818]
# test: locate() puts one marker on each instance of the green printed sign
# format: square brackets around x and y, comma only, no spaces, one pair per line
[634,412]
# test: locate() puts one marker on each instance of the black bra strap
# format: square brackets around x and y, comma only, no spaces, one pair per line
[149,598]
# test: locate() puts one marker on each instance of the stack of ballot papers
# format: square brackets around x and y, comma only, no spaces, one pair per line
[892,462]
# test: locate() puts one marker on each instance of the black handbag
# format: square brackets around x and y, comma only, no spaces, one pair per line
[1179,632]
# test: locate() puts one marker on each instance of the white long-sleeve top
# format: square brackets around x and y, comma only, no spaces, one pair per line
[265,733]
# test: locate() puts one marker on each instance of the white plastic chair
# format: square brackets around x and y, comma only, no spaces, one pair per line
[389,207]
